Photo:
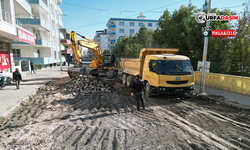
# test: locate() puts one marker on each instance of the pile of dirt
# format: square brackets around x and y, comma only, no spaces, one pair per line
[88,84]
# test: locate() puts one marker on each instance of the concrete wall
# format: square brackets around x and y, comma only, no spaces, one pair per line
[226,82]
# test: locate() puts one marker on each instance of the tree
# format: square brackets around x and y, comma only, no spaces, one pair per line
[240,49]
[130,46]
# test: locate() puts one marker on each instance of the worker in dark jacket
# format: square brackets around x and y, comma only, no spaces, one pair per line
[138,88]
[17,78]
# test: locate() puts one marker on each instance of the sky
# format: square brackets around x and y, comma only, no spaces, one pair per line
[87,16]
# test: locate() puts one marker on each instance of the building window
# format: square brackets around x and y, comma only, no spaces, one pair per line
[140,24]
[16,52]
[156,24]
[121,30]
[149,24]
[131,31]
[132,24]
[121,37]
[121,23]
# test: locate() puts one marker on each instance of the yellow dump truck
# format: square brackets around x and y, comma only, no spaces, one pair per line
[162,71]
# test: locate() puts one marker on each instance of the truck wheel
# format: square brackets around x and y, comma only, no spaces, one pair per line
[124,79]
[148,90]
[129,81]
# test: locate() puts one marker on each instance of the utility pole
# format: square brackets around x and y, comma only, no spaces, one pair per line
[204,57]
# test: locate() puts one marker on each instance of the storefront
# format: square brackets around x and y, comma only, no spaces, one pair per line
[6,58]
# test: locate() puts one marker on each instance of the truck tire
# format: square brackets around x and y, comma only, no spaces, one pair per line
[124,79]
[129,81]
[148,90]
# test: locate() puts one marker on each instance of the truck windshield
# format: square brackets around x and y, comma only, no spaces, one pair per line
[174,67]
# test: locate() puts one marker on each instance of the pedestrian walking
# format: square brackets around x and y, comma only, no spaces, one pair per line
[138,88]
[17,77]
[32,68]
[68,62]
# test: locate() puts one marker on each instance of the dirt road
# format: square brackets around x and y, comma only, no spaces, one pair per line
[67,118]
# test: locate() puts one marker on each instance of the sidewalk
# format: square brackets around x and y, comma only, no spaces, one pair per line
[230,96]
[10,97]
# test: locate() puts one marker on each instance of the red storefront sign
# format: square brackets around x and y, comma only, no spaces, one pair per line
[4,61]
[26,37]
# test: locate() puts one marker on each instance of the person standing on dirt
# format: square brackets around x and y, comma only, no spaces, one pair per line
[17,78]
[138,88]
[32,68]
[112,60]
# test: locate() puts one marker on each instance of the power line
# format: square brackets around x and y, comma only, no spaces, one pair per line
[100,9]
[157,8]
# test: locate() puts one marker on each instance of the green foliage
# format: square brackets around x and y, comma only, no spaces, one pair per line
[130,46]
[240,46]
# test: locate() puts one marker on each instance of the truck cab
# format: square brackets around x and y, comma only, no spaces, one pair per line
[167,73]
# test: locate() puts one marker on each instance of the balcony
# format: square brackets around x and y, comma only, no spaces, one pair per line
[22,7]
[34,23]
[112,40]
[24,26]
[111,33]
[44,43]
[6,16]
[59,9]
[65,42]
[41,3]
[111,26]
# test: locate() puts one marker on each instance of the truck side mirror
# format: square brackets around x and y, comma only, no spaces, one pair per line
[150,66]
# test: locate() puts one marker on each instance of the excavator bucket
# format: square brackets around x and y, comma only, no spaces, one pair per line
[74,72]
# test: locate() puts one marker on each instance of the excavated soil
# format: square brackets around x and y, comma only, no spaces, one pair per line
[78,115]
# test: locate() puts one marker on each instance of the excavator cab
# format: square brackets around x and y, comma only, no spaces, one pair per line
[109,60]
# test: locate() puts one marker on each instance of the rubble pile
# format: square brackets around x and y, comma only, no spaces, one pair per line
[88,84]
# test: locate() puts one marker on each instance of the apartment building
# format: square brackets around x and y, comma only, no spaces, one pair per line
[120,27]
[7,35]
[37,25]
[66,42]
[101,37]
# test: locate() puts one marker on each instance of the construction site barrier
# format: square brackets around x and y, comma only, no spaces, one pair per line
[232,83]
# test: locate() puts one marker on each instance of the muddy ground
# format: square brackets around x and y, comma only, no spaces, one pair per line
[58,118]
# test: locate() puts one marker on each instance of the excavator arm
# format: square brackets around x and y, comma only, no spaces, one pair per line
[97,62]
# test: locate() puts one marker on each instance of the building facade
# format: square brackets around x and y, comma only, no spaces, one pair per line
[8,34]
[102,39]
[37,25]
[120,27]
[66,42]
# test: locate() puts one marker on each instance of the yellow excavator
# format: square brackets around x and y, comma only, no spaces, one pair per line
[105,64]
